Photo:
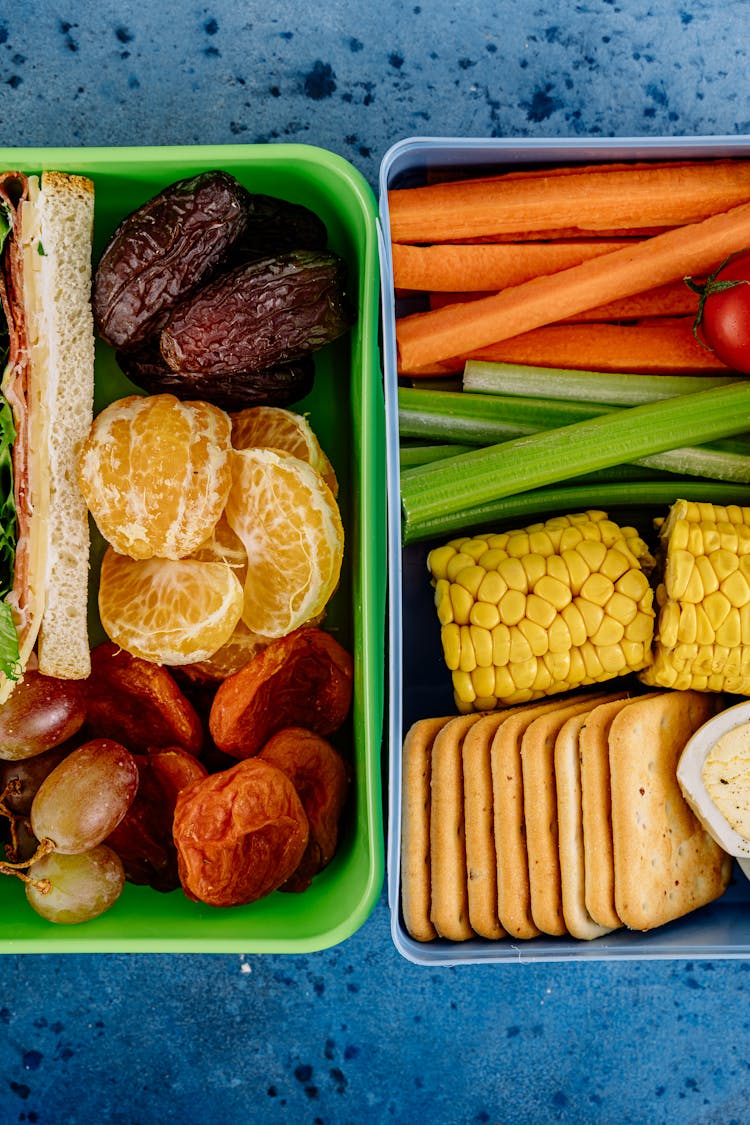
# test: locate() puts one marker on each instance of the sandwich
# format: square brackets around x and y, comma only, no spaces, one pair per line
[46,410]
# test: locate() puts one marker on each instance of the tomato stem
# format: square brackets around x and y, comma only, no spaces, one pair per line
[705,289]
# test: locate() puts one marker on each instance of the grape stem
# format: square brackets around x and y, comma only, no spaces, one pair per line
[12,866]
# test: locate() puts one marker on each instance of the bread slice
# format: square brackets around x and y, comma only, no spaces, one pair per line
[57,229]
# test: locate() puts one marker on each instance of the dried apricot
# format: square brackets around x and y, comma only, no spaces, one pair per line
[304,679]
[239,834]
[143,838]
[138,703]
[318,774]
[155,473]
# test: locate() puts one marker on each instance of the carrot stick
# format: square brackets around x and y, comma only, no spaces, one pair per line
[556,234]
[525,172]
[690,250]
[660,196]
[664,347]
[455,266]
[672,299]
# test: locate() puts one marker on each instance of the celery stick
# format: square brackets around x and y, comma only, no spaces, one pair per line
[410,455]
[572,498]
[552,456]
[582,386]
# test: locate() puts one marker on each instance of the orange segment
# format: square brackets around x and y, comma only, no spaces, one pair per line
[155,473]
[290,525]
[241,647]
[168,611]
[273,427]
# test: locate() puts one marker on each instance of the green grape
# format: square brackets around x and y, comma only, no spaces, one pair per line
[81,886]
[85,797]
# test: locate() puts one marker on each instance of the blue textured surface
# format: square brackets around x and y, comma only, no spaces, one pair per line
[357,1034]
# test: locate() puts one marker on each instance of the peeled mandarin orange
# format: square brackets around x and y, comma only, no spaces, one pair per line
[241,647]
[155,473]
[168,611]
[223,545]
[273,427]
[290,525]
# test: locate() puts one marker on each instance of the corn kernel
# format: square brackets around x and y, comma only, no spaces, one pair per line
[612,659]
[518,544]
[727,535]
[450,636]
[591,661]
[610,632]
[708,575]
[704,630]
[577,569]
[633,584]
[534,565]
[483,680]
[576,668]
[475,548]
[457,564]
[461,601]
[591,613]
[463,687]
[560,666]
[481,640]
[536,636]
[729,633]
[559,638]
[512,572]
[524,673]
[543,680]
[574,620]
[745,623]
[492,587]
[569,539]
[710,540]
[735,588]
[467,661]
[641,628]
[597,589]
[555,592]
[470,578]
[716,607]
[520,649]
[695,544]
[491,558]
[687,629]
[634,654]
[556,568]
[504,685]
[500,645]
[540,543]
[621,608]
[497,542]
[593,553]
[669,624]
[678,573]
[616,562]
[483,615]
[724,563]
[512,607]
[438,560]
[680,535]
[540,611]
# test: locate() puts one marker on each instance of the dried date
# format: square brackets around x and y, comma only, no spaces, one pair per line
[276,225]
[163,251]
[303,679]
[319,775]
[269,312]
[281,385]
[239,834]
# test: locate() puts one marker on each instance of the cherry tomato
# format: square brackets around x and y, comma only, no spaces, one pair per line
[724,316]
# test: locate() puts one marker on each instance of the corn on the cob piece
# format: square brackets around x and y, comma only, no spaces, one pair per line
[542,609]
[703,599]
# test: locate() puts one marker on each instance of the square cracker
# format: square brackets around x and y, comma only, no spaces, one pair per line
[481,861]
[513,891]
[666,864]
[596,809]
[415,827]
[540,815]
[449,906]
[570,842]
